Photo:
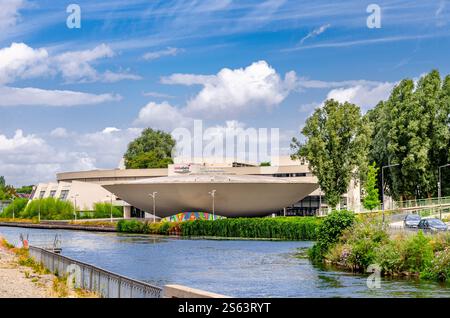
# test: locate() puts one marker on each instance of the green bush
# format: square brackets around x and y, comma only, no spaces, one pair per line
[18,205]
[439,267]
[329,232]
[50,209]
[292,228]
[103,210]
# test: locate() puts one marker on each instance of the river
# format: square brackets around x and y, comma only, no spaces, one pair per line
[238,268]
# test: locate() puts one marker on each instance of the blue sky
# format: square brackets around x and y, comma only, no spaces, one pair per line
[72,99]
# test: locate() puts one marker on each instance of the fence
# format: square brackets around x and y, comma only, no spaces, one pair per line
[89,277]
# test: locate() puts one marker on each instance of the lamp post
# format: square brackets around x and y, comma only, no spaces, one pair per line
[153,195]
[213,195]
[382,184]
[74,197]
[39,211]
[110,196]
[439,189]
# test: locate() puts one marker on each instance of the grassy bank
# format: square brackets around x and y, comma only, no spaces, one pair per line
[292,228]
[354,244]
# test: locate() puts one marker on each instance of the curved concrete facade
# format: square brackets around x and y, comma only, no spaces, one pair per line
[241,195]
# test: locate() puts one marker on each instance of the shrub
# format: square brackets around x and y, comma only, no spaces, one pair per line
[439,267]
[293,228]
[329,232]
[50,209]
[18,205]
[103,210]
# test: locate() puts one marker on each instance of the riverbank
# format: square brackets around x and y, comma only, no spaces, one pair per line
[357,245]
[61,226]
[18,282]
[21,277]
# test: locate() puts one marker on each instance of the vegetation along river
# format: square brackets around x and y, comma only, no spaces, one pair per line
[237,268]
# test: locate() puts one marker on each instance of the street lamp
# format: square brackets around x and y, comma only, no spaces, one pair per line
[439,189]
[153,195]
[39,211]
[382,184]
[111,207]
[213,195]
[74,197]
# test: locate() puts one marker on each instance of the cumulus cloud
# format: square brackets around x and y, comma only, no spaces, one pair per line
[365,96]
[162,116]
[230,92]
[59,133]
[170,51]
[31,154]
[21,61]
[30,96]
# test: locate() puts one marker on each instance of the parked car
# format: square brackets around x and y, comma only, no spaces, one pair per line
[432,225]
[412,220]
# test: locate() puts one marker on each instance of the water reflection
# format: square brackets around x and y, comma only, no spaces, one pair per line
[235,268]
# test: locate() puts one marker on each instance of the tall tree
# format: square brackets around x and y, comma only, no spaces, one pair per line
[371,198]
[335,147]
[153,149]
[411,128]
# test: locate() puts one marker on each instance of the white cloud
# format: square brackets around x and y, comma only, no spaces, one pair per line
[315,33]
[26,159]
[365,96]
[59,133]
[230,92]
[21,61]
[75,66]
[170,51]
[29,96]
[9,13]
[162,116]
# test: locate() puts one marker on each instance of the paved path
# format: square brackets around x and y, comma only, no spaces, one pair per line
[15,284]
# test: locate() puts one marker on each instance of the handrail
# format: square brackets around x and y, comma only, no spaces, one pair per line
[117,286]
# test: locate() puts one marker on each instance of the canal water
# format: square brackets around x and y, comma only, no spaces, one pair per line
[236,268]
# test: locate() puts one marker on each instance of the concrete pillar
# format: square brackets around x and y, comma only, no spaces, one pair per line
[127,212]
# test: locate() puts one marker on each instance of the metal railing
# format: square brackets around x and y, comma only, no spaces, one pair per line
[92,278]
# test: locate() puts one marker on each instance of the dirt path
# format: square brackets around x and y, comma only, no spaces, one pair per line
[20,282]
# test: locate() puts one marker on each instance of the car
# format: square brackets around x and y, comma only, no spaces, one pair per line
[432,225]
[412,220]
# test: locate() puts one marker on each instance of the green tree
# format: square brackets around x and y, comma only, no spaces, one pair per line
[153,149]
[25,189]
[336,146]
[371,198]
[411,128]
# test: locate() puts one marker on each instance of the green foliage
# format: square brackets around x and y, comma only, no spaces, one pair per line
[439,268]
[292,228]
[7,192]
[17,206]
[371,198]
[25,189]
[103,210]
[336,146]
[153,149]
[412,129]
[265,164]
[50,209]
[329,232]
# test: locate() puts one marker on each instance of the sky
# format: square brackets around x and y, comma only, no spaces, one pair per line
[72,98]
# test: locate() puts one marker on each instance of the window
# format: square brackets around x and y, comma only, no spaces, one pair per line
[52,193]
[64,194]
[41,194]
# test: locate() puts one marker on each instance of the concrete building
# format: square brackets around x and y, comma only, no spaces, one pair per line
[288,188]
